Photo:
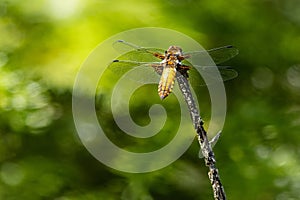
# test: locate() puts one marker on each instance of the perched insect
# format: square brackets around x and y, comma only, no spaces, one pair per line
[172,63]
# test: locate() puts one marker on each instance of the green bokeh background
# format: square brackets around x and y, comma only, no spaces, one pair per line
[42,45]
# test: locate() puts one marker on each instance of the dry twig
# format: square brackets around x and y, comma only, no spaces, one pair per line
[209,157]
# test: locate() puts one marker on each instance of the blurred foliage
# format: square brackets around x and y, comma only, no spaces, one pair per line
[42,45]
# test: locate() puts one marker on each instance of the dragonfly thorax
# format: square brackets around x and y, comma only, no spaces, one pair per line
[173,56]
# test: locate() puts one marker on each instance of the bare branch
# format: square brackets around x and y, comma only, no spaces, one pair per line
[209,157]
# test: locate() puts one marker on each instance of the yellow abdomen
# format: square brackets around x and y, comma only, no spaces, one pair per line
[166,82]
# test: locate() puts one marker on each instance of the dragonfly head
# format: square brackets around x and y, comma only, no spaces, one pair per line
[175,50]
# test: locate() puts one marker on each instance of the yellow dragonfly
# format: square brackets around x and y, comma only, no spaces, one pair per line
[172,62]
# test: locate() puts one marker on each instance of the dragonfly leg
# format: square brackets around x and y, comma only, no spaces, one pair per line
[186,67]
[158,55]
[183,70]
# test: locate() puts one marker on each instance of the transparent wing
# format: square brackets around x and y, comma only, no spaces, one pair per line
[204,75]
[149,67]
[123,47]
[142,63]
[219,55]
[143,72]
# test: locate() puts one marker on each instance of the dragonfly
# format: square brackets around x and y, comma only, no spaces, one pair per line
[172,63]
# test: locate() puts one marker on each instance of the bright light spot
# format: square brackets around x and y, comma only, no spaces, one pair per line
[33,89]
[262,78]
[9,80]
[37,99]
[262,151]
[282,156]
[11,173]
[19,102]
[62,9]
[40,118]
[293,75]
